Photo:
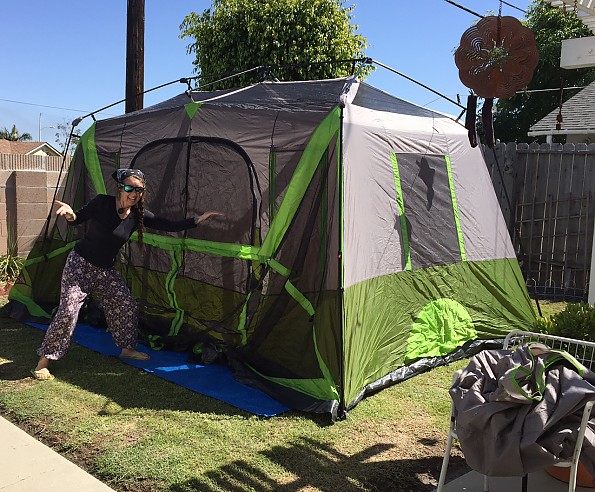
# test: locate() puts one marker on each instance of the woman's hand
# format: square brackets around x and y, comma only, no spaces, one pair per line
[65,211]
[207,215]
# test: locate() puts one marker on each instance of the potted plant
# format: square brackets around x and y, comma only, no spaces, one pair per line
[10,267]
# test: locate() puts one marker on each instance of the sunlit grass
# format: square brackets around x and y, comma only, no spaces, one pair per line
[138,432]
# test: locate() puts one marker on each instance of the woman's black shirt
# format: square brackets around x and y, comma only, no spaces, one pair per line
[107,232]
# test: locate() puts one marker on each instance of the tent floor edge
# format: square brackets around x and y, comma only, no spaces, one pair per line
[291,398]
[18,311]
[420,366]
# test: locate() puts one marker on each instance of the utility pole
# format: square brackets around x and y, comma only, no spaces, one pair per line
[135,55]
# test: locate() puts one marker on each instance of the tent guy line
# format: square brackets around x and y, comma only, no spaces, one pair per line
[267,68]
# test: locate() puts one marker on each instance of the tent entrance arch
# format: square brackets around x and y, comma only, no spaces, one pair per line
[206,291]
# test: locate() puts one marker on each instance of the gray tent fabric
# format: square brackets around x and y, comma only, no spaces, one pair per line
[520,411]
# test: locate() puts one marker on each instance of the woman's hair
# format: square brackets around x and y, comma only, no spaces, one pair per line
[120,175]
[141,218]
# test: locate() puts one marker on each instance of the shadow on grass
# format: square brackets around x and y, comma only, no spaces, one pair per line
[304,463]
[311,465]
[125,385]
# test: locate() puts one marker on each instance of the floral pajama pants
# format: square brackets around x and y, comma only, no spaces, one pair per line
[79,279]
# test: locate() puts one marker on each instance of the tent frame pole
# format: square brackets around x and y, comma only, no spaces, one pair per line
[342,413]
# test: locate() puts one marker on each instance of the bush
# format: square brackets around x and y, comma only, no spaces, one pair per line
[575,321]
[10,267]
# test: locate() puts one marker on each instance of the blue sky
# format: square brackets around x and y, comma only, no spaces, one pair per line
[64,59]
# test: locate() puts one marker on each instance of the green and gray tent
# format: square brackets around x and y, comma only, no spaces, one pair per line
[362,240]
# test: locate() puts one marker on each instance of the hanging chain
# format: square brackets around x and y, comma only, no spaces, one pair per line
[559,117]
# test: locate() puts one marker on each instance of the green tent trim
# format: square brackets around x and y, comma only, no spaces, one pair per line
[401,205]
[291,289]
[316,388]
[34,309]
[527,375]
[301,179]
[455,208]
[176,262]
[87,142]
[323,388]
[51,254]
[192,108]
[23,291]
[241,328]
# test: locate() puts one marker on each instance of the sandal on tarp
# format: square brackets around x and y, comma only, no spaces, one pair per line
[42,375]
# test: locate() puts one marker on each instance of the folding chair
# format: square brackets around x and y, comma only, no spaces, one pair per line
[582,351]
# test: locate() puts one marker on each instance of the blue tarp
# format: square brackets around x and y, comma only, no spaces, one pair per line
[214,380]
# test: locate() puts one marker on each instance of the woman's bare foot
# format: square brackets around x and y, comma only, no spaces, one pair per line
[133,354]
[41,371]
[42,364]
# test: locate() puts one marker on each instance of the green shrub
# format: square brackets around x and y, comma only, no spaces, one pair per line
[575,321]
[10,267]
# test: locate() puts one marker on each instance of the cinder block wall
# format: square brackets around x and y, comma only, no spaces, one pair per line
[26,200]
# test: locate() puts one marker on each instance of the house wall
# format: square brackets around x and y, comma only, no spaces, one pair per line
[27,188]
[577,139]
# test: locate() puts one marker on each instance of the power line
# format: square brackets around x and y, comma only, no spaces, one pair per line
[463,8]
[44,106]
[479,15]
[513,6]
[529,91]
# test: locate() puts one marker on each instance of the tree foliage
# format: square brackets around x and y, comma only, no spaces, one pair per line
[67,136]
[14,135]
[295,37]
[514,116]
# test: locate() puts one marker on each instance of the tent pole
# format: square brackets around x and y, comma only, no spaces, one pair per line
[342,413]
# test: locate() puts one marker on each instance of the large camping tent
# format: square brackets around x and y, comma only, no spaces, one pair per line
[362,238]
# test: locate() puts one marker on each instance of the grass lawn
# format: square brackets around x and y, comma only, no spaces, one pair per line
[137,432]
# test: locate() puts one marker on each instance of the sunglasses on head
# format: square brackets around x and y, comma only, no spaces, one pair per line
[130,189]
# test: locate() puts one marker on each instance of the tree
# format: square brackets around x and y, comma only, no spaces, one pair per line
[295,37]
[14,135]
[64,133]
[514,116]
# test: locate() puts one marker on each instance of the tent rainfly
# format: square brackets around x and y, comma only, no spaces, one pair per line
[362,241]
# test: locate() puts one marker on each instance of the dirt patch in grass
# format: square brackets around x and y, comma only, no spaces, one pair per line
[413,455]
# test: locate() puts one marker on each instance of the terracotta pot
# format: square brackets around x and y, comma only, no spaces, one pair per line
[562,473]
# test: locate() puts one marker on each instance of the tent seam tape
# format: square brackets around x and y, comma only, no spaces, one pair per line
[171,294]
[401,207]
[455,208]
[92,160]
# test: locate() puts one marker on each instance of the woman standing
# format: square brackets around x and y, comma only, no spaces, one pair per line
[89,268]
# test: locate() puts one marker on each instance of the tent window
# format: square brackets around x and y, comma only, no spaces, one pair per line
[430,228]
